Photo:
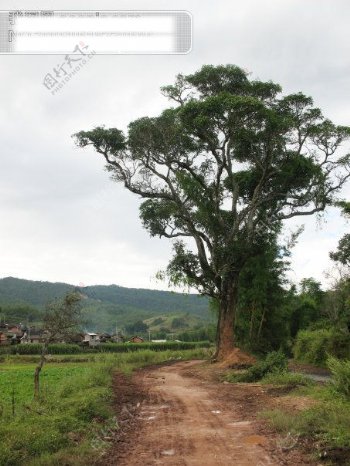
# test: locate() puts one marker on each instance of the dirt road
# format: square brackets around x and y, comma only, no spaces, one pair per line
[185,420]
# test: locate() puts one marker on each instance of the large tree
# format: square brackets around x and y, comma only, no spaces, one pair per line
[222,169]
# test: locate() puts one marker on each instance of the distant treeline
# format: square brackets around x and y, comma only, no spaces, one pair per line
[104,307]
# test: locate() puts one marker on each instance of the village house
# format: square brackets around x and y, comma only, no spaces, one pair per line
[91,339]
[32,335]
[15,330]
[10,334]
[118,338]
[3,339]
[77,339]
[105,337]
[136,339]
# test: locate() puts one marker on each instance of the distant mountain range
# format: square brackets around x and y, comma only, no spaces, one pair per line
[104,306]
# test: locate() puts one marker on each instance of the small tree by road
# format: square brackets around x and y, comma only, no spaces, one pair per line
[60,321]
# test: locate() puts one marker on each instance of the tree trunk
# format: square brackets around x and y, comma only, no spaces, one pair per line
[226,320]
[38,370]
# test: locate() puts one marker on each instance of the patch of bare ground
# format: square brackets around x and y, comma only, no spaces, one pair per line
[237,359]
[183,414]
[308,368]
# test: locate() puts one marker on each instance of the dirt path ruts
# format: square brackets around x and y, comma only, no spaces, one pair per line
[183,423]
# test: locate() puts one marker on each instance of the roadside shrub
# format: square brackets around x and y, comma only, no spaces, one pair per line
[275,362]
[314,346]
[340,375]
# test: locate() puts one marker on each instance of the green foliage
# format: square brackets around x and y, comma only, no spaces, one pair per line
[202,334]
[308,305]
[275,362]
[24,313]
[337,304]
[340,375]
[103,306]
[163,328]
[158,321]
[137,327]
[263,316]
[178,322]
[33,293]
[152,302]
[313,346]
[342,254]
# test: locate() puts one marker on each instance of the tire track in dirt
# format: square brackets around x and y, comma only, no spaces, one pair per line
[183,424]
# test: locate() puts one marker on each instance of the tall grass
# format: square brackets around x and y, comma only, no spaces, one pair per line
[327,421]
[74,405]
[314,346]
[340,375]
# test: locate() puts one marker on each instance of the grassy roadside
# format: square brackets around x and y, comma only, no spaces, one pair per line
[75,405]
[326,423]
[321,412]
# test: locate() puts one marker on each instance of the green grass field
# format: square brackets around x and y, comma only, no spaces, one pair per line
[75,405]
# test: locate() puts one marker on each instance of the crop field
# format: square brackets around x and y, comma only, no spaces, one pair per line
[63,426]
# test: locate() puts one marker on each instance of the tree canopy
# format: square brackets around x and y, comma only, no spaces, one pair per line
[221,170]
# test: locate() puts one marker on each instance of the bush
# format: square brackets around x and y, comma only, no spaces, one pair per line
[275,362]
[340,375]
[314,346]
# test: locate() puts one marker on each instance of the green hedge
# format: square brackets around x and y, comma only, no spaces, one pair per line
[169,345]
[313,346]
[62,348]
[33,348]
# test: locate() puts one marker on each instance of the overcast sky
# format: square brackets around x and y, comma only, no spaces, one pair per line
[62,219]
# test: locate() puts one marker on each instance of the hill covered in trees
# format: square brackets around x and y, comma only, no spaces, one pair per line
[104,306]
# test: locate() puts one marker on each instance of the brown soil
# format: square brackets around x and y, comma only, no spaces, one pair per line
[237,359]
[180,414]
